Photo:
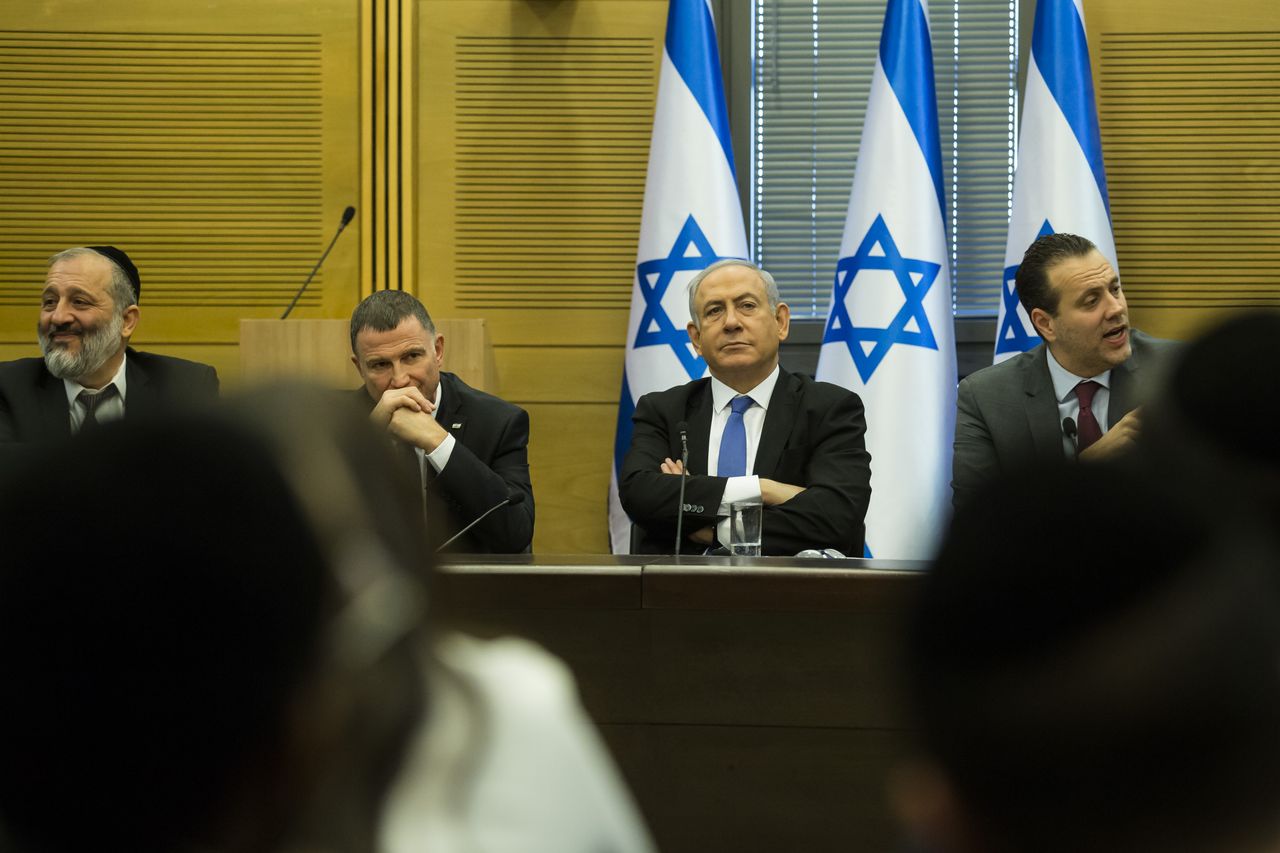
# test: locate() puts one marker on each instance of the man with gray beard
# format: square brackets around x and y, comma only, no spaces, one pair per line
[89,374]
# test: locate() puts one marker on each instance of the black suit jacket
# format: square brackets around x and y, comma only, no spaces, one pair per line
[34,408]
[813,436]
[1007,414]
[489,462]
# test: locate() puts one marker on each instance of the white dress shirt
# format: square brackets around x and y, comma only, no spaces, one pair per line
[109,410]
[744,488]
[440,456]
[1064,390]
[507,761]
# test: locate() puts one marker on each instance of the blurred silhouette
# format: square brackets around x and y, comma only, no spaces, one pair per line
[194,639]
[1216,421]
[1094,664]
[213,637]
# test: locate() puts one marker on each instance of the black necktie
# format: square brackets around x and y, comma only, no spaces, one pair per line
[90,401]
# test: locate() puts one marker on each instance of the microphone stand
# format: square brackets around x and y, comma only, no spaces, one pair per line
[684,475]
[347,216]
[514,498]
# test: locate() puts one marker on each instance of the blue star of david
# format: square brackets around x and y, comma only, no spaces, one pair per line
[656,328]
[840,326]
[1013,336]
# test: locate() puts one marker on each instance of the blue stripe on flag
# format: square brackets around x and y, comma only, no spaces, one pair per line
[691,45]
[907,56]
[1061,52]
[622,438]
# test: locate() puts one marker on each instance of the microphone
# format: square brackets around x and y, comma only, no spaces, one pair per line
[1069,429]
[347,215]
[510,500]
[684,474]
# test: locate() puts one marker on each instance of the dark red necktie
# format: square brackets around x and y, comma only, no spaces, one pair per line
[1089,430]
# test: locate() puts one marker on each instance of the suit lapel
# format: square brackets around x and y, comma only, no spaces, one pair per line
[140,396]
[452,416]
[697,416]
[53,404]
[1124,389]
[779,419]
[1042,408]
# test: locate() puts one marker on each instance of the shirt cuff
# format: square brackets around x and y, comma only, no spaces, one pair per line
[440,456]
[738,489]
[735,489]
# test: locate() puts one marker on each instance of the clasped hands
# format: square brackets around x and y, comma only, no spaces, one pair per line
[408,415]
[772,493]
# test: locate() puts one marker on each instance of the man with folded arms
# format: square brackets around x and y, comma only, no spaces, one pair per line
[755,432]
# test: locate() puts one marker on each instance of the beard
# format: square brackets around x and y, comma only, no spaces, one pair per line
[96,348]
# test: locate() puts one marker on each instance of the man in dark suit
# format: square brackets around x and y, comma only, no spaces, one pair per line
[88,312]
[470,449]
[1078,394]
[802,441]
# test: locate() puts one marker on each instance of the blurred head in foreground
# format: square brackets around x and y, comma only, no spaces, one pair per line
[1215,421]
[1094,664]
[203,626]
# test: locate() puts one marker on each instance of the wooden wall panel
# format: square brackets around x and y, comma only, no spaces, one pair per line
[1189,105]
[533,127]
[570,449]
[216,142]
[581,373]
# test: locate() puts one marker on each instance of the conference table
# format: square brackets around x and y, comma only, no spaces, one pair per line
[749,702]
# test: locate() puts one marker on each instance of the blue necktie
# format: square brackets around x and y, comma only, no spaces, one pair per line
[733,444]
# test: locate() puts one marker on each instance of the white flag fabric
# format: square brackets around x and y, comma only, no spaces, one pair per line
[890,334]
[1060,183]
[691,219]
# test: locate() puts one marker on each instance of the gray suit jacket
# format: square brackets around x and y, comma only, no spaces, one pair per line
[1007,414]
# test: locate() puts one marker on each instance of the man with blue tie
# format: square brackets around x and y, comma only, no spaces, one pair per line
[754,431]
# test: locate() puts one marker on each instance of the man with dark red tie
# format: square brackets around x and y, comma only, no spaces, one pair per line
[1077,395]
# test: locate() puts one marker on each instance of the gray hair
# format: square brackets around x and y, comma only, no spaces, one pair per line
[387,309]
[770,286]
[121,287]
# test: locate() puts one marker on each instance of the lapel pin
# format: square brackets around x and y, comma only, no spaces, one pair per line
[456,426]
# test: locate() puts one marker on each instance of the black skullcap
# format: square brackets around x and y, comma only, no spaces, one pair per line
[122,260]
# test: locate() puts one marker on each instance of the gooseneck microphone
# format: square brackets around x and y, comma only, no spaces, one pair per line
[510,500]
[684,475]
[1069,429]
[347,215]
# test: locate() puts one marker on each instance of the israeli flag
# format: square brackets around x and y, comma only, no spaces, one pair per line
[889,334]
[691,219]
[1060,183]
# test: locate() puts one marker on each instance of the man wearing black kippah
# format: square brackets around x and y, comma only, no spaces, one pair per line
[89,374]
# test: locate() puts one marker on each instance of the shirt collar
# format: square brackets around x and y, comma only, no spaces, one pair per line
[721,394]
[1065,382]
[74,388]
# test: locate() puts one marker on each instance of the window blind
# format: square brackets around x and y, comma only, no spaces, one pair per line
[813,61]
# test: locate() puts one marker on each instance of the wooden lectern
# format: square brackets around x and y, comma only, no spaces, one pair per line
[320,351]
